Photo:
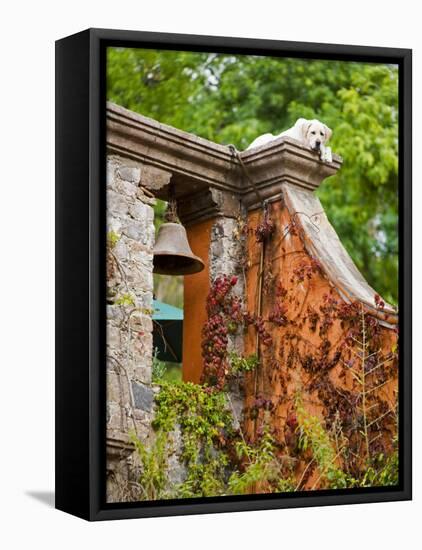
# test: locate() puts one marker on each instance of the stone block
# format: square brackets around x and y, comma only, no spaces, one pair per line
[114,224]
[114,336]
[136,231]
[117,204]
[144,371]
[153,177]
[114,314]
[143,396]
[142,212]
[129,189]
[117,389]
[121,250]
[115,420]
[129,173]
[111,174]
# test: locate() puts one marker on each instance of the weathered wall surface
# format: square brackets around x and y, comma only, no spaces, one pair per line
[220,243]
[130,395]
[227,254]
[130,392]
[196,288]
[338,357]
[227,257]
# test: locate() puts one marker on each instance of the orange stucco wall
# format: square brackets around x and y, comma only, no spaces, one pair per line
[283,372]
[196,288]
[304,358]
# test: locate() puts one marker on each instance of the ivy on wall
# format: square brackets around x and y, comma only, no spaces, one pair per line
[342,449]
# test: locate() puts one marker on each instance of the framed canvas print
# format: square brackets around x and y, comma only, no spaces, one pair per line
[233,274]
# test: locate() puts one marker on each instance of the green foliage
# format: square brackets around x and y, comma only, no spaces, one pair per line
[125,300]
[173,373]
[165,371]
[313,436]
[242,364]
[362,199]
[379,470]
[262,468]
[156,83]
[159,211]
[219,461]
[205,479]
[383,470]
[233,99]
[159,368]
[206,425]
[203,418]
[169,289]
[112,239]
[201,414]
[153,460]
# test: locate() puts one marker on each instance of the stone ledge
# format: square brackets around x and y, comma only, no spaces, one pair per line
[199,166]
[283,160]
[119,447]
[206,204]
[185,155]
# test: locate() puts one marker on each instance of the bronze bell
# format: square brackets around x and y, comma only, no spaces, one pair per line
[172,253]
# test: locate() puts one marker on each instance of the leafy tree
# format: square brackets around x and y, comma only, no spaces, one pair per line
[234,98]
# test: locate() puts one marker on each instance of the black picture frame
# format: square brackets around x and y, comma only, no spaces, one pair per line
[80,268]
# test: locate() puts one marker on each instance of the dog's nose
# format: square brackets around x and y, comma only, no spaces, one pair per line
[317,143]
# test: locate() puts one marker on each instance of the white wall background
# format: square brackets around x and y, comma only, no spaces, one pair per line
[27,272]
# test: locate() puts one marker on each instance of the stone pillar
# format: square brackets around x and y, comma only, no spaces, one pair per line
[213,219]
[130,239]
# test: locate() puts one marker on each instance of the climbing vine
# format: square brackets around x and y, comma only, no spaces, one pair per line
[350,442]
[215,454]
[316,416]
[205,423]
[225,317]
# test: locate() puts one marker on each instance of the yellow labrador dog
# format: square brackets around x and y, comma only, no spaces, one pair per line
[312,133]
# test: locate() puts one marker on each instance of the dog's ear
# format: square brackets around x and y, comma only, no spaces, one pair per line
[303,126]
[328,132]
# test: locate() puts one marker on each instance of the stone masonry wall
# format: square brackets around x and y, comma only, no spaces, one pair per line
[227,249]
[130,391]
[130,395]
[226,257]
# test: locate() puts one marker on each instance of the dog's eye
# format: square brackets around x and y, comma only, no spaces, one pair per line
[313,133]
[322,134]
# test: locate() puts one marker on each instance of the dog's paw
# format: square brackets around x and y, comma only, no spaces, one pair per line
[327,155]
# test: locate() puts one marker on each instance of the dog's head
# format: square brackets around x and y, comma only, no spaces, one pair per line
[314,133]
